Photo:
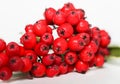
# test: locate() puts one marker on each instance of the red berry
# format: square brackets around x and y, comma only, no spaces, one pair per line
[39,29]
[29,28]
[52,71]
[85,37]
[47,38]
[67,7]
[99,60]
[73,18]
[76,44]
[38,70]
[28,40]
[12,49]
[42,21]
[63,68]
[5,73]
[86,55]
[31,55]
[48,14]
[65,30]
[103,51]
[16,63]
[48,59]
[3,59]
[80,13]
[59,18]
[60,46]
[27,65]
[81,67]
[58,59]
[93,45]
[41,49]
[83,26]
[105,38]
[70,58]
[2,45]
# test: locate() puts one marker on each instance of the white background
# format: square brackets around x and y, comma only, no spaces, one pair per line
[16,14]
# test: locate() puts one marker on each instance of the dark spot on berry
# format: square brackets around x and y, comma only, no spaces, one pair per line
[30,57]
[96,42]
[13,61]
[26,37]
[81,44]
[70,58]
[34,67]
[12,46]
[68,5]
[72,12]
[45,48]
[62,32]
[2,74]
[84,37]
[57,13]
[89,54]
[52,57]
[58,49]
[46,37]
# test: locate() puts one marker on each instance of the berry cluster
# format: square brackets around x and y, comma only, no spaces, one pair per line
[78,47]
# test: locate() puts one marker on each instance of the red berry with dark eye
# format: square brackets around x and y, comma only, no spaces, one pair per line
[48,14]
[58,59]
[73,18]
[52,71]
[3,59]
[67,7]
[63,68]
[85,37]
[83,26]
[5,73]
[76,44]
[28,40]
[16,63]
[93,45]
[99,60]
[39,29]
[49,30]
[42,22]
[86,55]
[48,59]
[29,28]
[41,49]
[80,13]
[60,46]
[92,62]
[2,45]
[70,58]
[105,38]
[59,18]
[38,69]
[81,67]
[27,65]
[47,38]
[30,54]
[65,30]
[103,51]
[12,49]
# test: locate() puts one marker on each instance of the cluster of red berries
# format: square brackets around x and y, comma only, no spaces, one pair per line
[78,47]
